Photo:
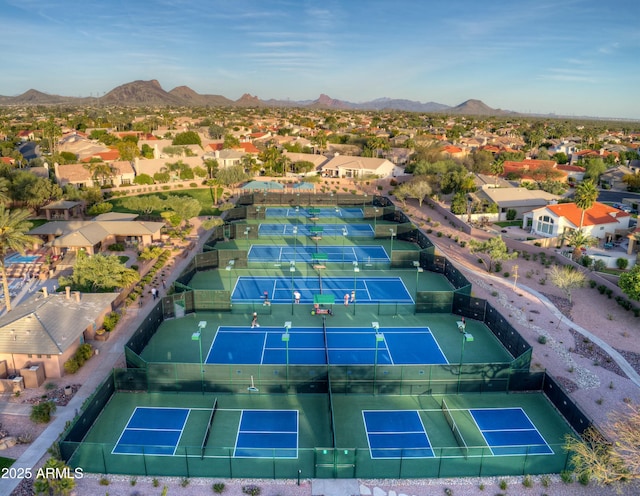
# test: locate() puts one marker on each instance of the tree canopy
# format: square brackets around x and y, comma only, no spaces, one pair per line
[187,138]
[566,278]
[629,283]
[13,237]
[100,273]
[494,249]
[613,455]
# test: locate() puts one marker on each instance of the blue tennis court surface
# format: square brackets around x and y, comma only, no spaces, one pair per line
[396,434]
[509,431]
[270,253]
[346,213]
[306,346]
[267,434]
[336,230]
[280,290]
[152,431]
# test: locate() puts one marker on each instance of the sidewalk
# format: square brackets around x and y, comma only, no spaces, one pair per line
[111,352]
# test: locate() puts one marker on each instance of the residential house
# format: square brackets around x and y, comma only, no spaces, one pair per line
[63,210]
[80,175]
[352,167]
[573,173]
[226,157]
[151,166]
[84,148]
[521,200]
[532,169]
[94,236]
[600,221]
[47,329]
[613,177]
[314,158]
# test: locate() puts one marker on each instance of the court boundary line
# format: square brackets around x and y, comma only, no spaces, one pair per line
[264,410]
[535,428]
[339,279]
[175,447]
[426,330]
[424,431]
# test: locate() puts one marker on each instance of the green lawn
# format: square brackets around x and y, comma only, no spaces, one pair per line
[203,195]
[37,222]
[509,223]
[6,462]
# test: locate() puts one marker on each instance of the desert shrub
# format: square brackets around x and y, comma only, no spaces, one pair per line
[622,263]
[41,414]
[251,490]
[116,247]
[110,321]
[84,352]
[71,366]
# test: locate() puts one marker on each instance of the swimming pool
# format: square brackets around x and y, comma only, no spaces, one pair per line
[16,258]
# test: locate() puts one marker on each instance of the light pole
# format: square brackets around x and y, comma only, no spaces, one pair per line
[246,233]
[419,269]
[285,340]
[465,337]
[379,338]
[392,232]
[295,241]
[228,268]
[197,336]
[375,221]
[356,269]
[344,238]
[292,269]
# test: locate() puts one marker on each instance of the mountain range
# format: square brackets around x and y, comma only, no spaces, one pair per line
[150,93]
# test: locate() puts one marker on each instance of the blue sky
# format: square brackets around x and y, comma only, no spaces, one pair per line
[569,57]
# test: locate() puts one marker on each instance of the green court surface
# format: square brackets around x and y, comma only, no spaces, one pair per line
[317,457]
[172,342]
[332,437]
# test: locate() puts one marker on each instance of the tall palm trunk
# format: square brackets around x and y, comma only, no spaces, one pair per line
[5,286]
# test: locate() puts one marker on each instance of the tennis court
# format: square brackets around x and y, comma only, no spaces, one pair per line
[307,346]
[267,434]
[274,253]
[509,431]
[349,230]
[288,212]
[396,434]
[368,290]
[154,431]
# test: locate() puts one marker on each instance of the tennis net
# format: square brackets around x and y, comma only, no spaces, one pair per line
[455,429]
[207,433]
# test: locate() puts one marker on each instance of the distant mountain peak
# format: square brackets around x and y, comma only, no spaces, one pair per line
[141,93]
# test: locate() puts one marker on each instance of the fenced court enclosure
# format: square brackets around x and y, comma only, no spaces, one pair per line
[295,346]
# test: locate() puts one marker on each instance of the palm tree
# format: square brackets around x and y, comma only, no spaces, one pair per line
[13,237]
[585,196]
[4,191]
[497,168]
[579,239]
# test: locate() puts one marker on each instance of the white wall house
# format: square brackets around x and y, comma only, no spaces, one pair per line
[347,166]
[600,221]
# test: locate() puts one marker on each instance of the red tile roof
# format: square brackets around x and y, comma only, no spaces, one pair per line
[249,147]
[598,214]
[571,168]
